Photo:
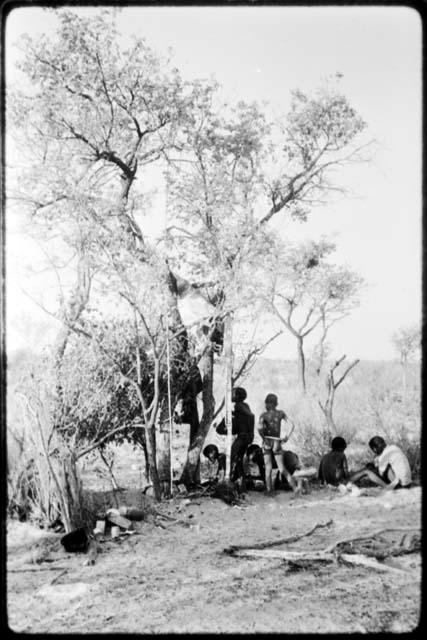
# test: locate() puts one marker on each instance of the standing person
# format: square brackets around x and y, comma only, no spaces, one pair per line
[333,467]
[243,424]
[390,469]
[269,428]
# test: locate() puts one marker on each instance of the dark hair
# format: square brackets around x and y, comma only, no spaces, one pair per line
[210,448]
[377,442]
[338,444]
[252,449]
[271,399]
[240,394]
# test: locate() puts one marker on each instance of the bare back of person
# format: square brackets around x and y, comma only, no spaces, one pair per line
[271,419]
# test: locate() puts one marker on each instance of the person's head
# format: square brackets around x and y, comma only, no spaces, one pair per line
[338,444]
[271,401]
[238,394]
[252,450]
[211,452]
[377,444]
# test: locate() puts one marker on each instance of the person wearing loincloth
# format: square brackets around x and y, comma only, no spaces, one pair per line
[269,428]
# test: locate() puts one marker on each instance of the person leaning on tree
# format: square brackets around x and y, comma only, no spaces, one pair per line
[243,424]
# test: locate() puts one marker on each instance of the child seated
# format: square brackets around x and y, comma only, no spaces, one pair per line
[390,468]
[333,466]
[216,463]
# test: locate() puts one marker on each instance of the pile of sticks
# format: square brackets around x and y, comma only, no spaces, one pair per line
[345,550]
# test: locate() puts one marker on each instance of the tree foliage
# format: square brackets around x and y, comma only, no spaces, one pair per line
[96,118]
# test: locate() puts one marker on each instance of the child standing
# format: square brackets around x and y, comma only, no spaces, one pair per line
[269,428]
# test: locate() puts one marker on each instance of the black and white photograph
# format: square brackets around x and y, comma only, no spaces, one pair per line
[212,312]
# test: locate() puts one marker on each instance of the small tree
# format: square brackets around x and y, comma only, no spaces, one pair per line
[407,342]
[332,385]
[306,292]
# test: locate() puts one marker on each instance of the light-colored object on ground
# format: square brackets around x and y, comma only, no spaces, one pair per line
[115,532]
[308,472]
[62,594]
[100,527]
[355,491]
[342,488]
[182,489]
[114,517]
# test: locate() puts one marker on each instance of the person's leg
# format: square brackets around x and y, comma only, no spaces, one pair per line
[268,462]
[283,471]
[238,449]
[370,475]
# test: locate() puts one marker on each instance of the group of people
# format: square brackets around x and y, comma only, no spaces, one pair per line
[252,465]
[389,470]
[245,454]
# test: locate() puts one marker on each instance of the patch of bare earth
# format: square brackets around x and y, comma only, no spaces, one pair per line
[179,580]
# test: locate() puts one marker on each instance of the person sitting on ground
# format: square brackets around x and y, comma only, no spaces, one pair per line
[254,467]
[333,467]
[243,421]
[390,468]
[269,430]
[216,464]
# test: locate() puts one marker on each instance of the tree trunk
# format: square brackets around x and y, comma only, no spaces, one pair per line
[404,379]
[228,356]
[150,441]
[301,364]
[72,509]
[190,474]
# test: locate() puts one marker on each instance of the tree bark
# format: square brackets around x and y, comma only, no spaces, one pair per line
[190,474]
[228,356]
[150,441]
[301,364]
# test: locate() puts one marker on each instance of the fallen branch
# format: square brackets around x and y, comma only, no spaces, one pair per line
[24,569]
[56,578]
[370,563]
[289,556]
[271,543]
[368,536]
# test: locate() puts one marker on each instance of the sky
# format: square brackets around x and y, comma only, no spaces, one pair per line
[262,53]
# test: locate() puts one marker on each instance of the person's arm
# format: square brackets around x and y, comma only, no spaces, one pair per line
[292,427]
[345,467]
[320,474]
[221,467]
[261,426]
[392,485]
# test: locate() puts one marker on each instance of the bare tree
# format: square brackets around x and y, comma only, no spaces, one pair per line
[307,292]
[406,341]
[332,385]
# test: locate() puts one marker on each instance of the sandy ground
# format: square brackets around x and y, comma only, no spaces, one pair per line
[179,579]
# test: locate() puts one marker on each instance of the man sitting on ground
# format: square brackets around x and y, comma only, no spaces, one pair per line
[390,469]
[333,466]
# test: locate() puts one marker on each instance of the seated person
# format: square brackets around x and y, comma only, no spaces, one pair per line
[390,469]
[333,467]
[254,467]
[216,464]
